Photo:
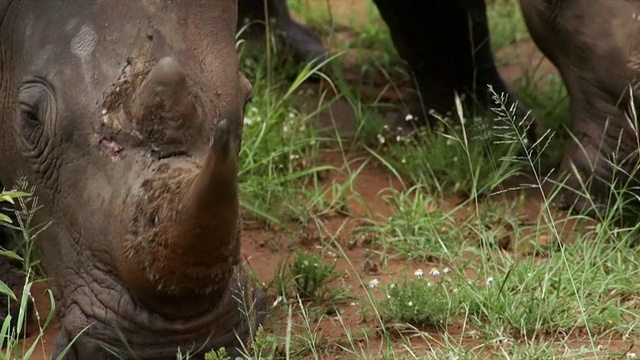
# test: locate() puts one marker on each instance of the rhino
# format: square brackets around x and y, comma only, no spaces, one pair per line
[302,44]
[592,43]
[126,119]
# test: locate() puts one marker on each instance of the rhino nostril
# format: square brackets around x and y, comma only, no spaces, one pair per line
[169,154]
[153,219]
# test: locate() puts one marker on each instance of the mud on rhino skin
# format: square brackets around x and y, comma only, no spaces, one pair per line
[126,117]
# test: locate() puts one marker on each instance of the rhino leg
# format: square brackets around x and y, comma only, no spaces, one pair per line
[13,277]
[597,71]
[447,47]
[302,43]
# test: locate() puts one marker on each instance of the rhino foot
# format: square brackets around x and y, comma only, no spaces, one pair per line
[303,44]
[591,186]
[298,41]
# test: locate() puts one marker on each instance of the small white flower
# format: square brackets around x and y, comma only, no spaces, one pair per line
[489,281]
[410,303]
[446,270]
[352,304]
[381,139]
[374,283]
[434,272]
[409,117]
[248,121]
[631,356]
[418,273]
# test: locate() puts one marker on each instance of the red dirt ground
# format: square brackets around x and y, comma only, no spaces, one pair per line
[265,250]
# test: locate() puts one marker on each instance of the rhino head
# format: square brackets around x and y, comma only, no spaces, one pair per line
[126,117]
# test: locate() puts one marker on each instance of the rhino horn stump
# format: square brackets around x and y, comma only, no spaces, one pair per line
[163,108]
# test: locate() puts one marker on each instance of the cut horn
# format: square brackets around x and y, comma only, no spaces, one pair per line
[163,102]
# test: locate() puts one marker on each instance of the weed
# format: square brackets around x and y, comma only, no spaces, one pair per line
[464,158]
[12,329]
[312,276]
[417,228]
[420,302]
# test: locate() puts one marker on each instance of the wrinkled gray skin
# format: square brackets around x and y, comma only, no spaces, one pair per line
[593,43]
[596,48]
[126,116]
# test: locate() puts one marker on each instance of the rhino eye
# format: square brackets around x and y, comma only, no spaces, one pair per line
[29,115]
[34,97]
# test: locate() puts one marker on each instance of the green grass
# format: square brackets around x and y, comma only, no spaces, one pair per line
[409,248]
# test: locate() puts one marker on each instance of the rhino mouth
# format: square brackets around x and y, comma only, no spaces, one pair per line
[125,327]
